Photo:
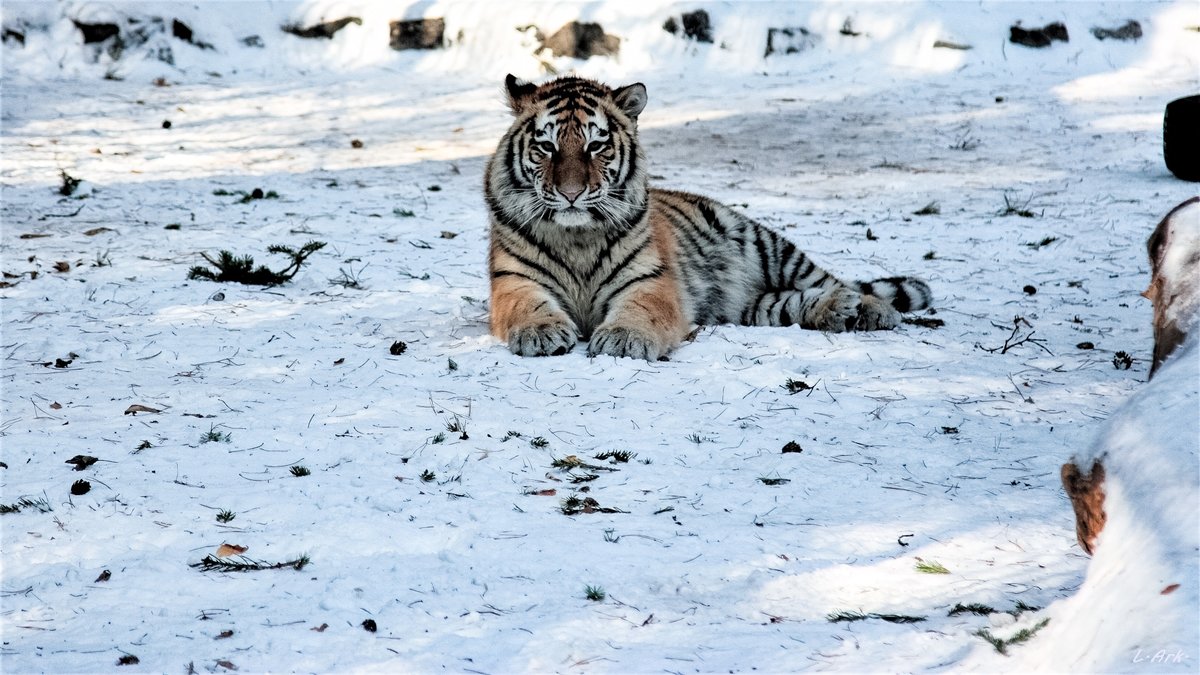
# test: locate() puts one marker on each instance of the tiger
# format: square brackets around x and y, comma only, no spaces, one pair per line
[583,249]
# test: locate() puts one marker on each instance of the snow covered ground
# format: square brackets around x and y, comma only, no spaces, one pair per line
[432,507]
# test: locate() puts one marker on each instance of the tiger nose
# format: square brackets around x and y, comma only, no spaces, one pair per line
[571,192]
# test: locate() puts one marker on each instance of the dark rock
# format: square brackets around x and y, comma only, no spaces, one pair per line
[184,32]
[790,40]
[1038,37]
[696,26]
[1132,30]
[97,32]
[322,30]
[418,34]
[14,35]
[582,40]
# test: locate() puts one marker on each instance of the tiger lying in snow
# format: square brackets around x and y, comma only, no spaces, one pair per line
[583,248]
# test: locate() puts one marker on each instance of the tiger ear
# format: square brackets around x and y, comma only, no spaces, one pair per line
[519,93]
[631,99]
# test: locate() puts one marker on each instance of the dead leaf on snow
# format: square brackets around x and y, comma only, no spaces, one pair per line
[34,236]
[226,550]
[321,628]
[62,266]
[56,406]
[97,230]
[227,665]
[224,634]
[138,407]
[82,462]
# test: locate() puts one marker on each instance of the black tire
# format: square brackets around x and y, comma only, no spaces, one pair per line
[1181,137]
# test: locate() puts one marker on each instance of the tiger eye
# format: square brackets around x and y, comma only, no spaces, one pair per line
[595,146]
[546,147]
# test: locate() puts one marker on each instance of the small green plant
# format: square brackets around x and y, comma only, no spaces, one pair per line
[1023,635]
[451,365]
[930,209]
[428,476]
[299,471]
[241,269]
[402,213]
[214,436]
[225,516]
[931,567]
[698,439]
[594,593]
[438,438]
[538,442]
[774,481]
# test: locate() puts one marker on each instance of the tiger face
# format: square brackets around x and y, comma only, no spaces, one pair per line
[571,157]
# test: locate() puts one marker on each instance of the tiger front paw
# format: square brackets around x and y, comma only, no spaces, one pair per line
[876,314]
[547,339]
[846,310]
[621,341]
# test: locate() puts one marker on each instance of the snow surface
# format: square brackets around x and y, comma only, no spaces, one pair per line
[922,444]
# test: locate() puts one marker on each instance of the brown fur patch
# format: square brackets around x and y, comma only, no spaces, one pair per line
[1086,492]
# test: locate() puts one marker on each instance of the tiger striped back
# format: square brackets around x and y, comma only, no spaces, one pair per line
[582,248]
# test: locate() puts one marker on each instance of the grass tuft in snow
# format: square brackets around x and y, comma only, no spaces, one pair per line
[796,386]
[971,608]
[41,504]
[214,436]
[225,516]
[931,567]
[594,593]
[616,456]
[698,439]
[538,442]
[1011,208]
[850,617]
[212,563]
[774,481]
[428,476]
[299,471]
[69,183]
[240,269]
[1023,635]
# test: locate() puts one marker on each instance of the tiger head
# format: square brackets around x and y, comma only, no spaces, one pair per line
[571,157]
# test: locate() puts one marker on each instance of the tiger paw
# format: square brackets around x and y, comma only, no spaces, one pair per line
[620,341]
[548,339]
[837,312]
[876,314]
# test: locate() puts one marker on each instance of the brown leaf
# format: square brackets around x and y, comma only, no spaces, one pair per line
[549,492]
[138,407]
[224,634]
[97,230]
[227,665]
[62,266]
[321,628]
[56,406]
[226,550]
[104,576]
[82,462]
[1169,589]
